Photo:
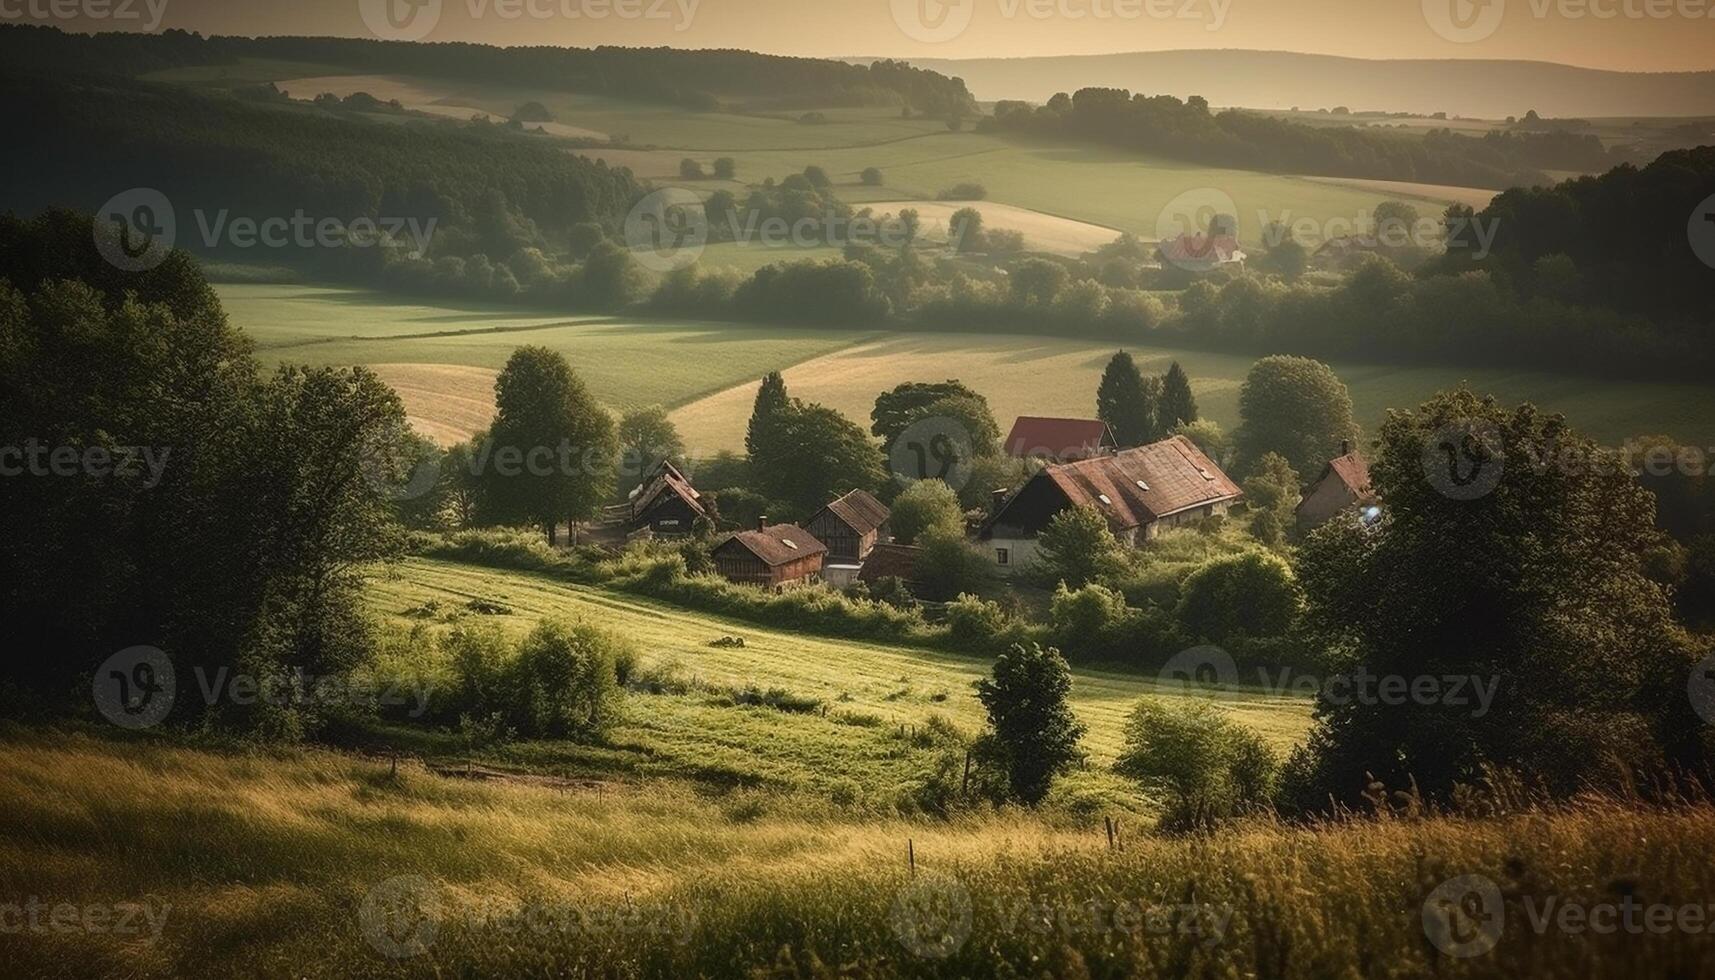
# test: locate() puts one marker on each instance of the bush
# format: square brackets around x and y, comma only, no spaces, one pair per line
[1033,735]
[948,566]
[1208,767]
[968,191]
[925,505]
[871,177]
[1252,594]
[1091,623]
[563,682]
[975,623]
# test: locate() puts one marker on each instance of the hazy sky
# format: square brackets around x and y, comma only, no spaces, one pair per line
[1633,35]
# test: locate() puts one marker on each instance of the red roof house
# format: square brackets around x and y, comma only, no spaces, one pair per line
[1059,440]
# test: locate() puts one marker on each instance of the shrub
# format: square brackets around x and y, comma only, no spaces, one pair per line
[975,623]
[947,566]
[1033,736]
[563,682]
[925,505]
[871,177]
[1207,766]
[967,191]
[1078,548]
[1252,594]
[1091,623]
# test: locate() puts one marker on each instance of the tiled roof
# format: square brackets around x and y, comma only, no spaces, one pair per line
[1353,470]
[1140,486]
[1057,438]
[858,511]
[1201,248]
[890,561]
[778,544]
[666,480]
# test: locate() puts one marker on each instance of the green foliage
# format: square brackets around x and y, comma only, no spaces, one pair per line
[1586,665]
[871,177]
[560,681]
[1128,403]
[647,437]
[1033,736]
[975,623]
[816,454]
[1178,406]
[1208,767]
[1077,547]
[923,506]
[1296,407]
[767,417]
[1091,624]
[1208,436]
[1272,492]
[1251,595]
[948,565]
[553,445]
[908,403]
[725,168]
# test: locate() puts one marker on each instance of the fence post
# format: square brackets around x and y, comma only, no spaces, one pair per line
[911,854]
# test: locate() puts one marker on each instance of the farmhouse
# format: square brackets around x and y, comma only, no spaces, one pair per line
[773,555]
[1201,253]
[1344,483]
[891,561]
[666,503]
[1059,440]
[849,526]
[1140,491]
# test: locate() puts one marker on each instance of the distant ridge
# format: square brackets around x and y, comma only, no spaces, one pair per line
[1280,80]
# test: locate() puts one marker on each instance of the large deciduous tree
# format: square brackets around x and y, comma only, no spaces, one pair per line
[1536,595]
[552,452]
[1297,407]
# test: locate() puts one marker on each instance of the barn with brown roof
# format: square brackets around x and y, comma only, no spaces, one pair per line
[1344,483]
[1059,440]
[849,526]
[771,555]
[1140,491]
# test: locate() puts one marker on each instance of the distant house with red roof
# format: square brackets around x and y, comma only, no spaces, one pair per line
[1140,491]
[1199,252]
[1059,440]
[1344,483]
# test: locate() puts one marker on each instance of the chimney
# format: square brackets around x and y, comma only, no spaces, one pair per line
[1345,447]
[762,522]
[998,497]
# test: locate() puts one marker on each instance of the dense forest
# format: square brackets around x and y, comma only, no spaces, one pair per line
[1189,130]
[696,79]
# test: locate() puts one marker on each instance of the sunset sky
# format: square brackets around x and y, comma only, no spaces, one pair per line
[1681,35]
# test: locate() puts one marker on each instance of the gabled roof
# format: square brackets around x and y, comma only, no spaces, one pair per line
[1352,470]
[857,510]
[777,544]
[1140,486]
[1213,249]
[1034,435]
[890,561]
[666,481]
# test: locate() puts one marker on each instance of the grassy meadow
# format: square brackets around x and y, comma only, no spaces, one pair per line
[310,863]
[868,744]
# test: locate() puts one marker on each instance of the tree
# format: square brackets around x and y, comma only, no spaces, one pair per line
[690,169]
[610,278]
[1249,595]
[817,177]
[948,565]
[896,410]
[1207,435]
[583,237]
[1208,767]
[1296,407]
[909,222]
[924,505]
[816,455]
[725,168]
[1033,735]
[1533,583]
[647,437]
[1178,405]
[965,231]
[1395,224]
[1272,493]
[553,445]
[1077,547]
[871,177]
[1126,402]
[762,436]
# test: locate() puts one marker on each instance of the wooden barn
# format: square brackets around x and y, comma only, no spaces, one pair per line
[771,555]
[666,503]
[1140,491]
[850,526]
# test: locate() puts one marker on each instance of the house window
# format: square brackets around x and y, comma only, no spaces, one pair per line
[1003,556]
